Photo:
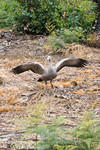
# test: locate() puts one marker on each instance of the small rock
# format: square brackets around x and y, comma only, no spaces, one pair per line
[61,87]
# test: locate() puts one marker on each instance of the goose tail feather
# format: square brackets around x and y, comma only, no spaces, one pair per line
[40,80]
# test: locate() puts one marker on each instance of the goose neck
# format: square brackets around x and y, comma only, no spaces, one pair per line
[50,64]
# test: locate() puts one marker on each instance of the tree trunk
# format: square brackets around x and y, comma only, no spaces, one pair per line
[98,19]
[97,28]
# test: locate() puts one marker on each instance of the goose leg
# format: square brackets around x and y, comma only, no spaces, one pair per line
[51,84]
[46,84]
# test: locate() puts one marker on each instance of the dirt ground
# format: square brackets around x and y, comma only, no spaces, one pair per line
[76,90]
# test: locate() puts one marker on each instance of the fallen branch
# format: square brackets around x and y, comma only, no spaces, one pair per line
[26,100]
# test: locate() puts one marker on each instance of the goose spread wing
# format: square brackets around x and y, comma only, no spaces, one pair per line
[35,67]
[71,62]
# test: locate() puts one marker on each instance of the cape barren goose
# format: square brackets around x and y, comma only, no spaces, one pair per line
[48,74]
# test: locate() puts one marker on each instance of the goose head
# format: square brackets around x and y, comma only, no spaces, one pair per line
[49,58]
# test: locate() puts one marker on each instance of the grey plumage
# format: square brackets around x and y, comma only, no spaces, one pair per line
[51,72]
[71,62]
[35,67]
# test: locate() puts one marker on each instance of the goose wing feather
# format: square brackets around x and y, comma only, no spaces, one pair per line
[35,67]
[71,62]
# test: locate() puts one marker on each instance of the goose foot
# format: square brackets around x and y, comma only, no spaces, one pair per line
[52,87]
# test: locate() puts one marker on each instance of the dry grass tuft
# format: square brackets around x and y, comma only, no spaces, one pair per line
[77,50]
[10,108]
[57,84]
[79,92]
[92,76]
[94,40]
[8,96]
[11,100]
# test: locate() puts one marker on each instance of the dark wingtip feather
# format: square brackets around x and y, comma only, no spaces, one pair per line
[16,70]
[83,63]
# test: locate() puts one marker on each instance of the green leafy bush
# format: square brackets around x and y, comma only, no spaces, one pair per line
[48,134]
[55,42]
[65,36]
[70,36]
[51,134]
[7,8]
[80,14]
[36,16]
[85,136]
[43,17]
[4,19]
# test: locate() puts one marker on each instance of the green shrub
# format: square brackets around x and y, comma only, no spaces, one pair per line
[70,36]
[85,136]
[51,134]
[36,16]
[55,42]
[4,19]
[80,14]
[75,35]
[7,8]
[43,17]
